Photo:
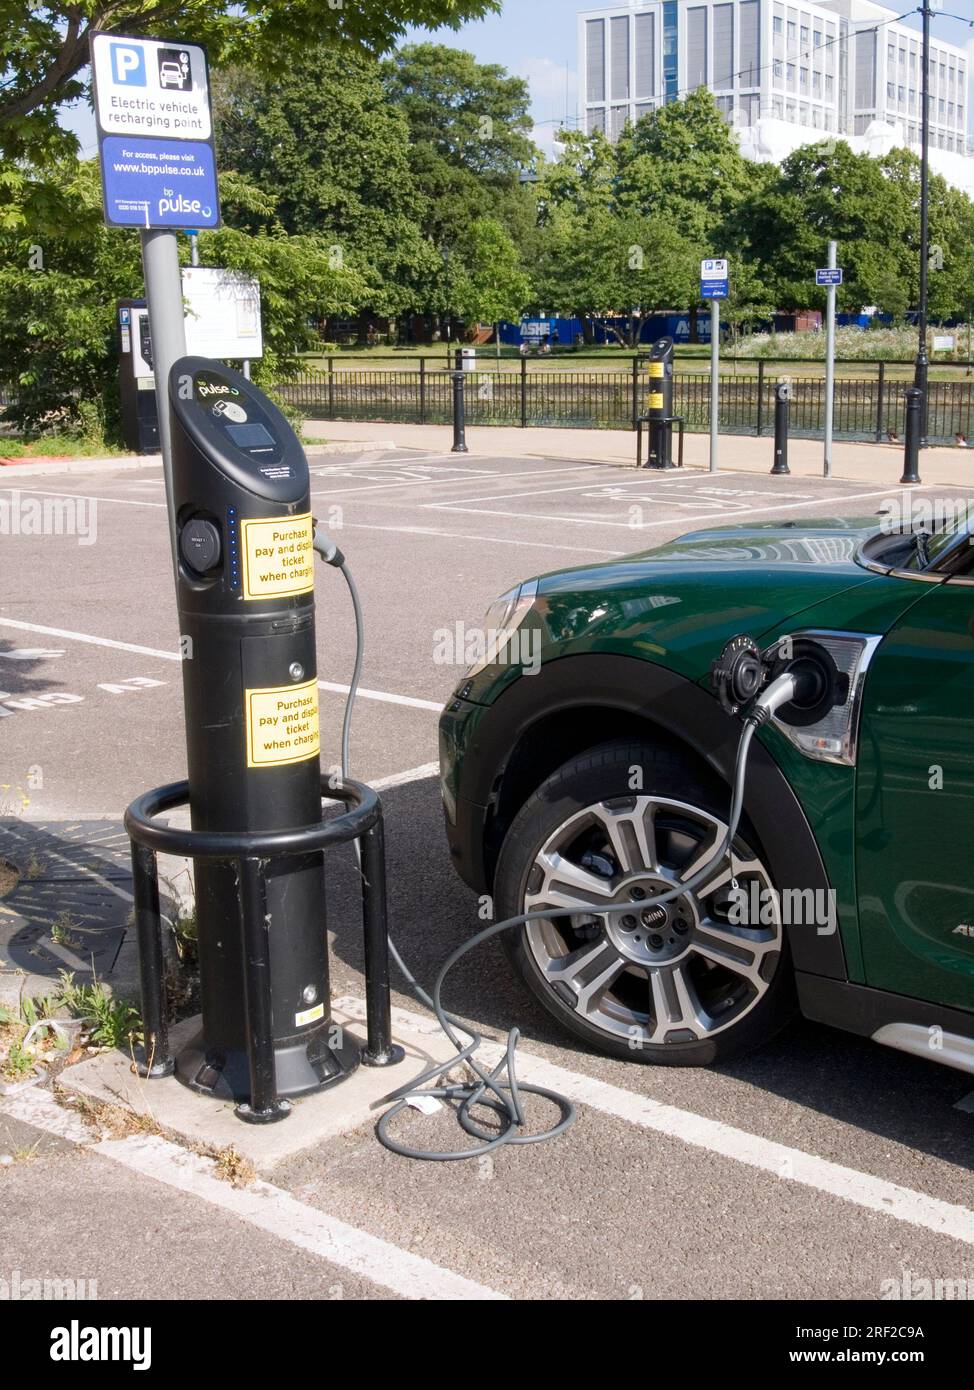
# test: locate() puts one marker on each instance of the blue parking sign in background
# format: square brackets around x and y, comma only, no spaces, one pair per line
[153,182]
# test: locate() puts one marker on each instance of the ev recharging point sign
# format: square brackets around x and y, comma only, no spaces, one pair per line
[155,133]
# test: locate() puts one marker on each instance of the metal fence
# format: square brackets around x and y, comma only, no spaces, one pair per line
[865,409]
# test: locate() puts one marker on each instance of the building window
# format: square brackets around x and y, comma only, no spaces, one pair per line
[778,107]
[901,95]
[792,31]
[804,36]
[779,68]
[816,84]
[803,80]
[890,91]
[913,99]
[817,39]
[779,24]
[697,64]
[791,74]
[941,108]
[595,60]
[829,86]
[670,50]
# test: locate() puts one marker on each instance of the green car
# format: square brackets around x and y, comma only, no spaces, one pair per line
[588,759]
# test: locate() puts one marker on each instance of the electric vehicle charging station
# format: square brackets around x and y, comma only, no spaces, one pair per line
[659,417]
[245,591]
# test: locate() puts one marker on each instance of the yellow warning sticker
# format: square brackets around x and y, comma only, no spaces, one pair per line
[655,400]
[656,369]
[278,556]
[309,1016]
[282,724]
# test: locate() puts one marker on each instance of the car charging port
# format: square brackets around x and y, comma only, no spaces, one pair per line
[796,680]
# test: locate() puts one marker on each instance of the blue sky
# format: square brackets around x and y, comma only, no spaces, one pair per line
[536,39]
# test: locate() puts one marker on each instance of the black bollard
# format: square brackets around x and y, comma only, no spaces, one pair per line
[914,431]
[782,416]
[459,408]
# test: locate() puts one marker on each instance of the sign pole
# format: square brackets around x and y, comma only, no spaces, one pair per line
[830,363]
[715,286]
[164,297]
[714,380]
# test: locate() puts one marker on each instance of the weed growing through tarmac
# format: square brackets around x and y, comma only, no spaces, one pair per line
[62,930]
[112,1022]
[233,1167]
[111,1121]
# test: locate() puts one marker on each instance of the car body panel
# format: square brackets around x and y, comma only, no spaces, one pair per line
[915,803]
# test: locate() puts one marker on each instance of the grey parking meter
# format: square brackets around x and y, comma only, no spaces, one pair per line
[245,594]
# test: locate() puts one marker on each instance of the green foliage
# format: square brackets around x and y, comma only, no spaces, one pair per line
[113,1022]
[871,207]
[44,47]
[494,284]
[468,137]
[603,263]
[58,291]
[332,157]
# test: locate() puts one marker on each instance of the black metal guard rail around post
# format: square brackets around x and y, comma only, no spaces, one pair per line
[250,851]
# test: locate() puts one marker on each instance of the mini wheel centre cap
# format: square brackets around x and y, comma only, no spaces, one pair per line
[655,917]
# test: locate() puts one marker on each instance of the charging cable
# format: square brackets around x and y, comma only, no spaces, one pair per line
[499,1089]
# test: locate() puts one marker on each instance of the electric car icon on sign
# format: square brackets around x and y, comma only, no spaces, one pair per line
[600,776]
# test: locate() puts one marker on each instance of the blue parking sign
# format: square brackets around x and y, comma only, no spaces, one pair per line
[159,183]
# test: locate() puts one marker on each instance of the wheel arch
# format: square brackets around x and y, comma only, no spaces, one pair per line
[543,720]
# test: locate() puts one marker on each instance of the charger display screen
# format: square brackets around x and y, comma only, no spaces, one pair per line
[251,436]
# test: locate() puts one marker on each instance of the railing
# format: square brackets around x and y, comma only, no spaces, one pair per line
[864,409]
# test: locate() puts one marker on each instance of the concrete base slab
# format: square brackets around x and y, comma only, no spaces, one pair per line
[192,1118]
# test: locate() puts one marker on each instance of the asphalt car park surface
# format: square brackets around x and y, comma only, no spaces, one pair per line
[820,1167]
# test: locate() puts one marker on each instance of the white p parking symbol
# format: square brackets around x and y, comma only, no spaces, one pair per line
[128,65]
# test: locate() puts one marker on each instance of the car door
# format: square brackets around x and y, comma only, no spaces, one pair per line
[915,801]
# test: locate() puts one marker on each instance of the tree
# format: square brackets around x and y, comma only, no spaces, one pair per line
[682,162]
[44,47]
[749,301]
[57,299]
[468,128]
[601,264]
[679,165]
[495,285]
[324,142]
[826,192]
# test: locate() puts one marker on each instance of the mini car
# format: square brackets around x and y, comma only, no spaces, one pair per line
[587,761]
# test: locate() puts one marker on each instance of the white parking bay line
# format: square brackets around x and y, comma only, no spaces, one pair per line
[864,1190]
[729,517]
[384,697]
[260,1204]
